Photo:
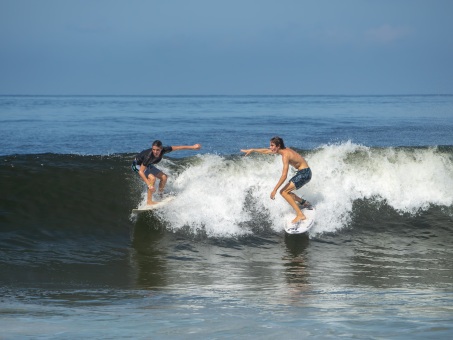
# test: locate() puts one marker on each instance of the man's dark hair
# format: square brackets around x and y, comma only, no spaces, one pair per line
[157,143]
[278,142]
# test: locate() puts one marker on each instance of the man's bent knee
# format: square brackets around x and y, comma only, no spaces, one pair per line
[284,192]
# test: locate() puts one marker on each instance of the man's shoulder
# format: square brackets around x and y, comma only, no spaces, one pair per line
[286,151]
[144,152]
[290,153]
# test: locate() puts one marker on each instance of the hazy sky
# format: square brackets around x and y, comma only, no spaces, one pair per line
[226,47]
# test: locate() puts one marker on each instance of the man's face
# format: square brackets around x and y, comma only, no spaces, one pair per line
[274,148]
[156,151]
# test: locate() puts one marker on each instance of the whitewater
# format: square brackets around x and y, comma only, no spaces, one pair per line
[230,195]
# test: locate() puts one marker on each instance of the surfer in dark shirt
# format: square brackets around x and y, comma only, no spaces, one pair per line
[144,164]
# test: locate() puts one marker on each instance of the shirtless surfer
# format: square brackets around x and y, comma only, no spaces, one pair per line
[302,177]
[144,165]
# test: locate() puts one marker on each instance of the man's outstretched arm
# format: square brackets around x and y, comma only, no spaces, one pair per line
[249,151]
[186,147]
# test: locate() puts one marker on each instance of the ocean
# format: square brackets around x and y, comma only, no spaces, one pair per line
[215,263]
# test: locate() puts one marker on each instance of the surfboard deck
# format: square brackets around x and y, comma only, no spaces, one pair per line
[161,204]
[302,226]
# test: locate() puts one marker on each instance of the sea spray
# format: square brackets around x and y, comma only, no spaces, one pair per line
[406,179]
[230,196]
[214,194]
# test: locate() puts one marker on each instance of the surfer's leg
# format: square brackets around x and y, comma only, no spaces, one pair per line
[303,203]
[301,178]
[287,194]
[163,180]
[297,198]
[149,200]
[153,174]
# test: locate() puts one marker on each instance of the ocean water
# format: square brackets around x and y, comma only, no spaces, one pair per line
[216,263]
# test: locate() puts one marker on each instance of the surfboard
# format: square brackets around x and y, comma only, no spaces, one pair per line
[159,205]
[302,226]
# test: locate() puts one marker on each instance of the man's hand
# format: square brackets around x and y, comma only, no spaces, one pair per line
[273,193]
[247,151]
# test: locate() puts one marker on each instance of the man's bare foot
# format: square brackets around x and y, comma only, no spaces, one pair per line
[151,203]
[298,219]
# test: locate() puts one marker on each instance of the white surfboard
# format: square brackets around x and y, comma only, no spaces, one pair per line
[161,204]
[302,226]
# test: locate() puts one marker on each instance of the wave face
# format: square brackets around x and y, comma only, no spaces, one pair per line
[52,198]
[62,206]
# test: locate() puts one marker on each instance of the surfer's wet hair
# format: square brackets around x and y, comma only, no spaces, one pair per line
[277,141]
[157,143]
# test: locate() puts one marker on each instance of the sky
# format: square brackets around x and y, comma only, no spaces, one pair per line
[226,47]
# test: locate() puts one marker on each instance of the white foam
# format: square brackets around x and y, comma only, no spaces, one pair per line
[407,180]
[212,192]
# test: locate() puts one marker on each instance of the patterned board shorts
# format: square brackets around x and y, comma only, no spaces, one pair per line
[301,178]
[151,169]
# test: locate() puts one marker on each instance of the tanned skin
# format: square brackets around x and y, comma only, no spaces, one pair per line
[289,157]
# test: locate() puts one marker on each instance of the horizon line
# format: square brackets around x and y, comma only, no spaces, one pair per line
[223,95]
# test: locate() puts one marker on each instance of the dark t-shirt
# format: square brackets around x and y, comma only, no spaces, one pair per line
[146,157]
